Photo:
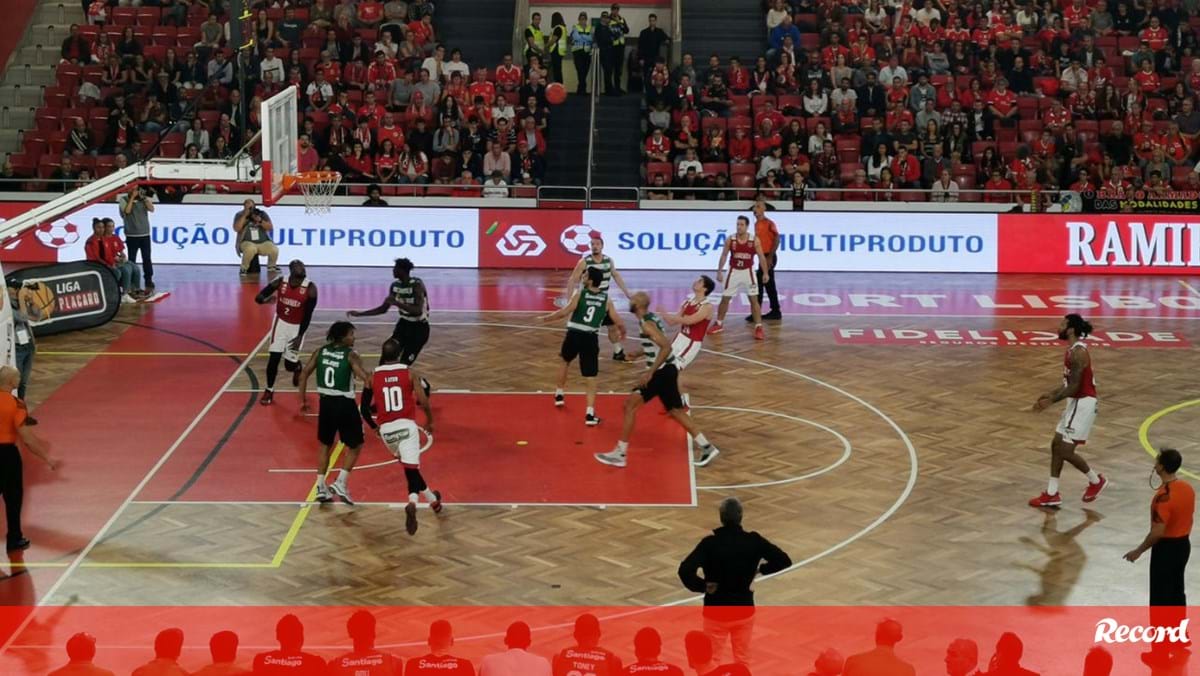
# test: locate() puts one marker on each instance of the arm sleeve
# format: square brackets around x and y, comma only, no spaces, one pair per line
[310,304]
[365,408]
[265,295]
[689,567]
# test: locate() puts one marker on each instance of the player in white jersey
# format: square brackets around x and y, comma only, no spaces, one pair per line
[598,261]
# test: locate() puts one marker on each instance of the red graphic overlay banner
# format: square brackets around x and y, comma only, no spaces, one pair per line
[1003,338]
[778,640]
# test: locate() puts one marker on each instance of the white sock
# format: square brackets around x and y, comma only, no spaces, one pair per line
[412,498]
[591,411]
[428,493]
[700,439]
[558,392]
[758,325]
[618,348]
[1052,489]
[1093,478]
[341,480]
[269,389]
[720,321]
[622,446]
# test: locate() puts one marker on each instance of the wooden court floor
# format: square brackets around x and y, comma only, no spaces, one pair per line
[891,473]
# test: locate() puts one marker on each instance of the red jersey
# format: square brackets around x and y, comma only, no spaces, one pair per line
[654,668]
[372,663]
[289,301]
[1087,384]
[595,661]
[742,253]
[285,663]
[392,386]
[694,331]
[439,665]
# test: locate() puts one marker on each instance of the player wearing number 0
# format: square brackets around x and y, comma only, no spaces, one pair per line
[395,387]
[586,657]
[661,381]
[1079,389]
[407,295]
[741,250]
[295,300]
[598,261]
[587,309]
[337,366]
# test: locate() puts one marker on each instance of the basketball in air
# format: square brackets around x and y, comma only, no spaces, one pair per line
[556,93]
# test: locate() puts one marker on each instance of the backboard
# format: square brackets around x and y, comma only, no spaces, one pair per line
[280,117]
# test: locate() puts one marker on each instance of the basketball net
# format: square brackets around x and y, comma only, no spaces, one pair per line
[317,187]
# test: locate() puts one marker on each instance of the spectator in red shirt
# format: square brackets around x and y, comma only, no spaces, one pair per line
[360,165]
[741,149]
[767,138]
[835,49]
[423,34]
[857,189]
[1147,79]
[354,75]
[906,169]
[1057,117]
[97,248]
[81,650]
[738,77]
[1076,15]
[657,147]
[998,188]
[508,76]
[1155,34]
[370,13]
[306,156]
[382,72]
[1003,103]
[481,87]
[769,113]
[1084,182]
[1145,141]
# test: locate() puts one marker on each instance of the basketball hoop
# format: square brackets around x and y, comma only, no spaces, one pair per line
[316,186]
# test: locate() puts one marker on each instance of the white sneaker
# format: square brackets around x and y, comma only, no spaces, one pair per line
[342,492]
[128,299]
[614,458]
[706,456]
[323,494]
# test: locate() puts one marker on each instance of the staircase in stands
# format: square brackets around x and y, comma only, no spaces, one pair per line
[31,69]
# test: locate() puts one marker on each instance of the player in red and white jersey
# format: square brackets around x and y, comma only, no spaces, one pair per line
[693,320]
[364,660]
[647,646]
[740,251]
[392,384]
[586,656]
[439,661]
[1079,389]
[295,300]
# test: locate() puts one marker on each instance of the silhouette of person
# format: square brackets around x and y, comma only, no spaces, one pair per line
[439,661]
[647,646]
[81,650]
[1099,662]
[167,647]
[586,656]
[962,656]
[517,660]
[700,657]
[829,663]
[364,660]
[1006,661]
[289,659]
[223,647]
[882,661]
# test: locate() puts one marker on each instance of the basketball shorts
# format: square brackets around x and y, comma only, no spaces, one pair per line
[685,351]
[1077,419]
[282,334]
[740,281]
[664,384]
[585,346]
[338,418]
[412,337]
[403,439]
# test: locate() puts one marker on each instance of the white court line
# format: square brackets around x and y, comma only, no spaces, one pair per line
[445,311]
[798,315]
[846,448]
[83,554]
[400,505]
[1189,287]
[242,390]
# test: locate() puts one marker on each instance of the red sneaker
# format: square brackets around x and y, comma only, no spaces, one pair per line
[758,333]
[267,398]
[1046,500]
[716,328]
[436,505]
[1093,490]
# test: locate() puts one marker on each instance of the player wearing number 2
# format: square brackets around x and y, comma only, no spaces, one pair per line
[587,309]
[295,300]
[337,366]
[740,250]
[393,384]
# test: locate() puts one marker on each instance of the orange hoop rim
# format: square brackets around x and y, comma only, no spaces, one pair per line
[309,178]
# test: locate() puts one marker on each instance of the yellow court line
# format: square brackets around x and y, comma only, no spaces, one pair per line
[302,515]
[1144,430]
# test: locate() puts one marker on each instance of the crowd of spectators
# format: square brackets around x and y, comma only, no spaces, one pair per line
[935,99]
[382,99]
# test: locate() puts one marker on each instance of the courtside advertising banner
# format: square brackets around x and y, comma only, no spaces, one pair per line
[67,296]
[1100,243]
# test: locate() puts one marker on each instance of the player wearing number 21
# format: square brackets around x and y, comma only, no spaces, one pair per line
[337,366]
[587,309]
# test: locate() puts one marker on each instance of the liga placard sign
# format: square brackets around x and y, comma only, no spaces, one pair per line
[67,296]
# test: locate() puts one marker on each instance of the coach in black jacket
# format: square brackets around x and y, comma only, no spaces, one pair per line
[730,558]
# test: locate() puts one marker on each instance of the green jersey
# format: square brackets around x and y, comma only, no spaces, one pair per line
[589,314]
[605,266]
[406,292]
[650,348]
[335,377]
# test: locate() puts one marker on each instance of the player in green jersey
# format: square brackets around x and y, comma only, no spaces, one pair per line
[596,260]
[339,369]
[407,294]
[587,309]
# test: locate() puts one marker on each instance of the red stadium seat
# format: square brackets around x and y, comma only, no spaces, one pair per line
[148,16]
[714,168]
[707,123]
[663,169]
[122,16]
[759,101]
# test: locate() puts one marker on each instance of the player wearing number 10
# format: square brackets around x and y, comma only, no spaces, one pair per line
[588,308]
[393,383]
[337,365]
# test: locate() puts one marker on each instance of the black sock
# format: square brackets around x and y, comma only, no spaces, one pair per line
[273,368]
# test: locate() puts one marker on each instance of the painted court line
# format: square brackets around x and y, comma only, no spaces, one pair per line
[400,505]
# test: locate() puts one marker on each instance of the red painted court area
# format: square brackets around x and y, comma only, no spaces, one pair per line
[495,448]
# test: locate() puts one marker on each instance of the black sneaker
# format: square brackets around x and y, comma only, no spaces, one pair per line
[619,356]
[267,398]
[30,420]
[749,319]
[591,420]
[18,544]
[410,518]
[773,315]
[559,401]
[436,505]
